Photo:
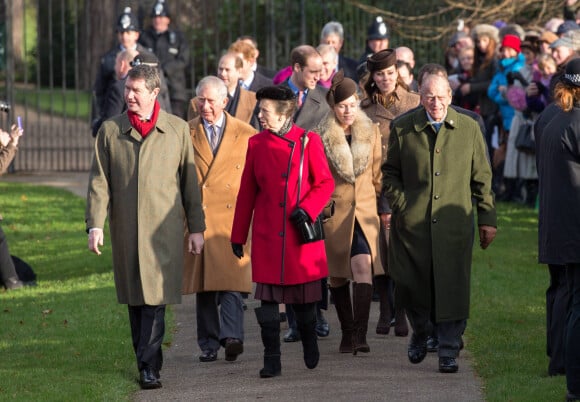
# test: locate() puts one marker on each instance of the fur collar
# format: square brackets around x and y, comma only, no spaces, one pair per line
[349,162]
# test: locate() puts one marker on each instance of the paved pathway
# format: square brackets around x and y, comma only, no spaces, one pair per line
[382,375]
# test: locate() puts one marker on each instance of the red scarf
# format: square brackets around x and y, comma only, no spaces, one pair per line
[144,127]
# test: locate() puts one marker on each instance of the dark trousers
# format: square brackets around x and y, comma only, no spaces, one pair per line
[448,332]
[147,331]
[220,315]
[573,330]
[557,305]
[7,269]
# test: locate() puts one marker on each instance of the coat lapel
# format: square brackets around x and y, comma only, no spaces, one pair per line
[199,141]
[229,138]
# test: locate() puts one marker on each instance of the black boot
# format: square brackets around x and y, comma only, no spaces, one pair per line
[509,193]
[384,287]
[362,294]
[306,321]
[531,192]
[343,305]
[269,320]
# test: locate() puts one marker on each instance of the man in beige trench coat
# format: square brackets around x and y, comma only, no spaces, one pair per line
[218,277]
[143,177]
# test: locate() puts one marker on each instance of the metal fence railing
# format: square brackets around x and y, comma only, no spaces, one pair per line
[50,50]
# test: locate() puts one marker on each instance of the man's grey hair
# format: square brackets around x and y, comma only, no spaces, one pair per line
[212,81]
[147,73]
[332,27]
[324,49]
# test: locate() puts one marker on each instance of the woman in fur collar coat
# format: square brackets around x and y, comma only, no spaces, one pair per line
[387,98]
[352,144]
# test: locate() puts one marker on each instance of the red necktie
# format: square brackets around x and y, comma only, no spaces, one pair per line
[300,96]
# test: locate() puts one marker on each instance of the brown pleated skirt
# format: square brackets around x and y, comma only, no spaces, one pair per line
[309,292]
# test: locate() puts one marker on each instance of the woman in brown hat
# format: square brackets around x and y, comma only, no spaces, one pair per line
[352,145]
[387,97]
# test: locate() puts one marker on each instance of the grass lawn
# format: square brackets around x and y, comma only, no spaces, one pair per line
[69,103]
[68,339]
[507,330]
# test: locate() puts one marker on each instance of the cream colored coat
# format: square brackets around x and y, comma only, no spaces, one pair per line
[216,268]
[356,170]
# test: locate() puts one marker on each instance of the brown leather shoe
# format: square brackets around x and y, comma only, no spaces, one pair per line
[234,347]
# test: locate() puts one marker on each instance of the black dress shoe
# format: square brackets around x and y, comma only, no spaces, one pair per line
[208,356]
[292,335]
[234,347]
[432,344]
[322,329]
[448,365]
[148,379]
[572,397]
[417,349]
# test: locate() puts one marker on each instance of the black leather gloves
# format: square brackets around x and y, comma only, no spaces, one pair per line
[238,250]
[299,216]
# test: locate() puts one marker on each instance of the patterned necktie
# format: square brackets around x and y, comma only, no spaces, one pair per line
[437,126]
[213,133]
[300,96]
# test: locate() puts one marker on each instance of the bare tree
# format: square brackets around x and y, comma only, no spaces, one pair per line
[427,26]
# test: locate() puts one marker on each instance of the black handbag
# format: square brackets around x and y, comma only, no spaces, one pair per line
[310,231]
[525,141]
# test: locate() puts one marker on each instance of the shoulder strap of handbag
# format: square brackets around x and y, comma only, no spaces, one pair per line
[300,168]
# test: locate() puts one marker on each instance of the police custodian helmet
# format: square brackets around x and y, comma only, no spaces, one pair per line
[160,9]
[378,29]
[127,21]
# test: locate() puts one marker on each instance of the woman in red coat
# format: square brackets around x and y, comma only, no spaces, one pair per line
[285,270]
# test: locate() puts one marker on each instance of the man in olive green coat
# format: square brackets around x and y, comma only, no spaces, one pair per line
[436,171]
[143,177]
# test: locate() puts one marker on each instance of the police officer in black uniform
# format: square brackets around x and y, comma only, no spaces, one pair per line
[377,39]
[173,52]
[127,35]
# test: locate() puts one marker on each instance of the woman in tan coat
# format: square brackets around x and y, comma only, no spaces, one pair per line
[352,144]
[387,98]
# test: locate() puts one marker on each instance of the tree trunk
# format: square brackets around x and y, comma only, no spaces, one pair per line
[97,36]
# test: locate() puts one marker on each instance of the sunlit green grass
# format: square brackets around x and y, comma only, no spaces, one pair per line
[69,103]
[67,338]
[507,329]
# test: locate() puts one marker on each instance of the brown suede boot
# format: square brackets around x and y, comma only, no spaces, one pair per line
[343,305]
[362,295]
